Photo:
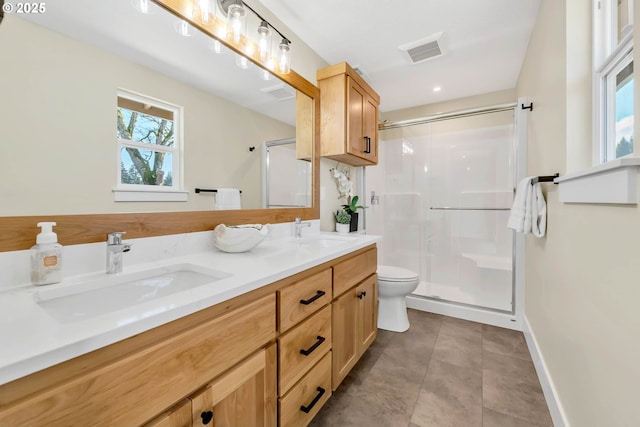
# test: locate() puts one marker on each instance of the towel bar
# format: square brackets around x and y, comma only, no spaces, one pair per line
[545,178]
[204,190]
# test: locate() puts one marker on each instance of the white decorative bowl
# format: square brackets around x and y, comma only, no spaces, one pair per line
[239,238]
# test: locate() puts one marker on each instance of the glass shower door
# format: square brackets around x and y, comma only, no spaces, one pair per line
[467,246]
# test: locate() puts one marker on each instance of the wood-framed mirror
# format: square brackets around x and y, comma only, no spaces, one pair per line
[17,231]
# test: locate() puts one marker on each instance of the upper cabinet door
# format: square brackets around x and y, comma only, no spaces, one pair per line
[348,116]
[370,121]
[356,99]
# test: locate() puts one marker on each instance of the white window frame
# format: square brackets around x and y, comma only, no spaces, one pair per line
[147,193]
[610,56]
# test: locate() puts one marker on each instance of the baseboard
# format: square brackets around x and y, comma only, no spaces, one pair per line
[558,416]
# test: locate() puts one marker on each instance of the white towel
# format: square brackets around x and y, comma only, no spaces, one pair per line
[227,199]
[529,210]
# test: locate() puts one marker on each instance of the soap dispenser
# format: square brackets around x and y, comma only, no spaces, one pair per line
[46,256]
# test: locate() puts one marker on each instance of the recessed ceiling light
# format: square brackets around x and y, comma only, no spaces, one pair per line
[437,88]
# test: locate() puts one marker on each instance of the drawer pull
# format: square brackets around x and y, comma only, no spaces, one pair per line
[318,294]
[307,409]
[207,416]
[313,347]
[362,294]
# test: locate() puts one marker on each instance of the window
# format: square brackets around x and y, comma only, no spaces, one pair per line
[613,65]
[148,134]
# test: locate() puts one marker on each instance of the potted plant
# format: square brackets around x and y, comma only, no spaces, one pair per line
[342,221]
[352,209]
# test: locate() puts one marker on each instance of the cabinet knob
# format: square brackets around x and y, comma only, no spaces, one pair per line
[362,294]
[207,416]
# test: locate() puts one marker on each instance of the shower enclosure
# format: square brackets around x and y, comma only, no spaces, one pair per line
[279,164]
[440,197]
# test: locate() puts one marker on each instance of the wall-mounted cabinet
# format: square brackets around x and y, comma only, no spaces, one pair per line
[348,116]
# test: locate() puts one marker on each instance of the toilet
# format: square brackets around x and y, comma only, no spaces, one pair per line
[394,284]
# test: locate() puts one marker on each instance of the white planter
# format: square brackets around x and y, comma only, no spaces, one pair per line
[342,228]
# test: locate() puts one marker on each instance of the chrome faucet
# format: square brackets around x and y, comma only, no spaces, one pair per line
[299,226]
[115,249]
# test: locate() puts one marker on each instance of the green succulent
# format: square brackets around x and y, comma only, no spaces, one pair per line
[342,217]
[352,207]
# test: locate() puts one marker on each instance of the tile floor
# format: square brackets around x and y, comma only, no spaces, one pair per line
[442,372]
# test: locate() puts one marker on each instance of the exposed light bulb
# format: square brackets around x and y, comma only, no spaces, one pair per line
[204,10]
[183,28]
[265,74]
[270,64]
[284,56]
[216,46]
[242,62]
[141,6]
[144,6]
[264,40]
[237,15]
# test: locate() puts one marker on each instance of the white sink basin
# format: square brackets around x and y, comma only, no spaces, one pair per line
[109,293]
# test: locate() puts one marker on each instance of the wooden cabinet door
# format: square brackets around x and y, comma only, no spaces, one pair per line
[370,125]
[178,416]
[367,330]
[345,343]
[355,124]
[244,396]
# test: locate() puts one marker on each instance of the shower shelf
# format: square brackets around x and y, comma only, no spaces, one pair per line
[493,262]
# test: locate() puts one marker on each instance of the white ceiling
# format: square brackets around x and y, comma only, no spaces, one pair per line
[484,43]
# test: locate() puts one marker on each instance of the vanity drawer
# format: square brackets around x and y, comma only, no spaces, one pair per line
[303,298]
[309,394]
[138,386]
[302,347]
[354,270]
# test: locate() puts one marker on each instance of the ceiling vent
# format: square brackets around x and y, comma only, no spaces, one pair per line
[280,92]
[423,49]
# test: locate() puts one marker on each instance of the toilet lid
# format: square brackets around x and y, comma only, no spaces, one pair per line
[395,274]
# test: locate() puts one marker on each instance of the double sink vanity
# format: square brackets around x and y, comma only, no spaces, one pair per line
[260,338]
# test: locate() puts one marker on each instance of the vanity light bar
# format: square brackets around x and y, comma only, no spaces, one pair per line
[218,28]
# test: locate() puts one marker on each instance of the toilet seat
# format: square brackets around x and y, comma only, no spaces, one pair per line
[395,274]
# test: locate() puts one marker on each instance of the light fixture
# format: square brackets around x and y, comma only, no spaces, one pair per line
[183,28]
[205,10]
[264,40]
[235,11]
[242,62]
[141,6]
[216,46]
[284,56]
[437,89]
[236,15]
[265,74]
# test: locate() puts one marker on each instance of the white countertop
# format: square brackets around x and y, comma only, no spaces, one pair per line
[31,339]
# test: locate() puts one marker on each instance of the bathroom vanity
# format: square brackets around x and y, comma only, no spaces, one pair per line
[264,347]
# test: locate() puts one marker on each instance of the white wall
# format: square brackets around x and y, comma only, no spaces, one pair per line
[582,279]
